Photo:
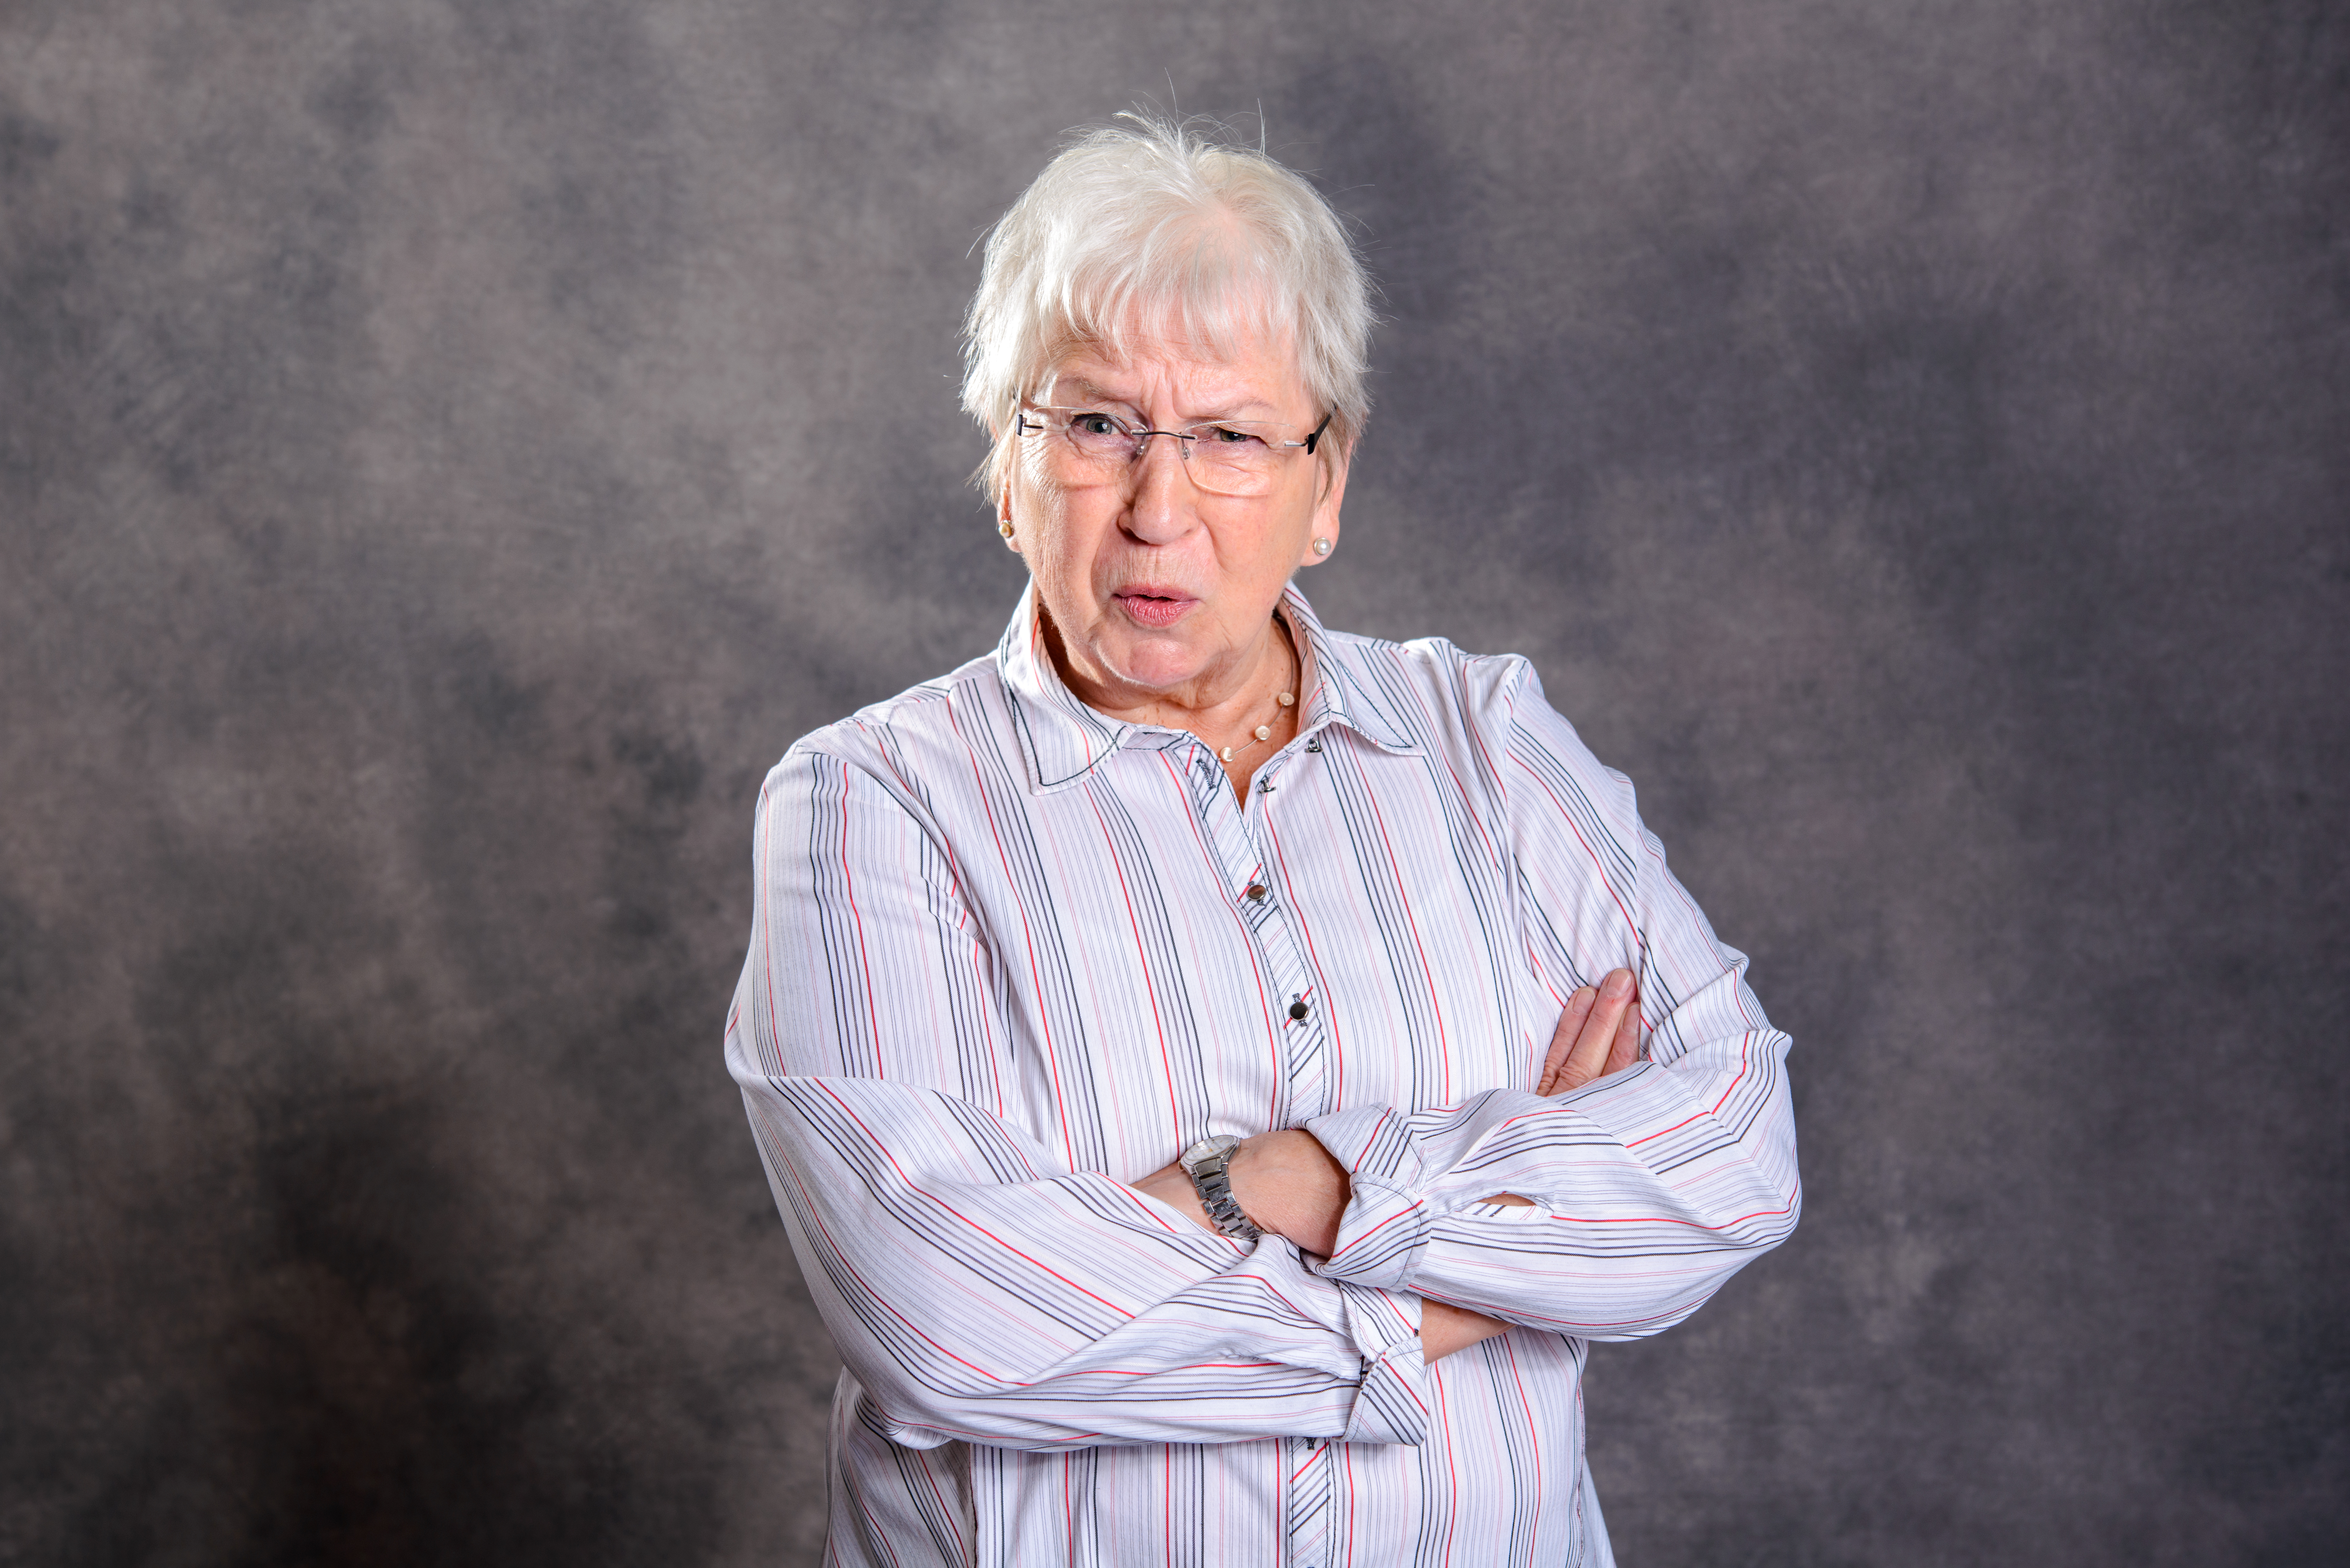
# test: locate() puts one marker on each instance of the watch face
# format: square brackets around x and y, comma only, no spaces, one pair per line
[1207,1148]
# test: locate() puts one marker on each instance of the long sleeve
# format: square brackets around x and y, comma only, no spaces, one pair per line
[1648,1188]
[979,1285]
[1010,954]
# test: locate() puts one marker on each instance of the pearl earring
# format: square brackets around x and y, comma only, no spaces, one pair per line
[1004,528]
[1321,546]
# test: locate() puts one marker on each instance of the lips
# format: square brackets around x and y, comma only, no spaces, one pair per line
[1153,606]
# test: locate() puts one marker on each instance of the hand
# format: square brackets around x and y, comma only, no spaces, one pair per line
[1597,1034]
[1286,1183]
[1281,1182]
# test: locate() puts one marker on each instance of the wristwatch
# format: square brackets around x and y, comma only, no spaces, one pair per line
[1208,1163]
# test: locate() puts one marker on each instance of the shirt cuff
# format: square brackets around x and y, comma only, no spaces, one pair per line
[1387,1223]
[1391,1404]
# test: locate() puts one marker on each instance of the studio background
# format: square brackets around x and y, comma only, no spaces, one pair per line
[449,450]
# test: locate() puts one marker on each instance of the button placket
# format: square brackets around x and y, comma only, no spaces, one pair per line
[1304,1055]
[1233,832]
[1310,1502]
[1304,1051]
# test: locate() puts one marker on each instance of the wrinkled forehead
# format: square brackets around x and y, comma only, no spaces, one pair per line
[1252,379]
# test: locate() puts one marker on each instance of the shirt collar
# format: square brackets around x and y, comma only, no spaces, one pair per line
[1062,740]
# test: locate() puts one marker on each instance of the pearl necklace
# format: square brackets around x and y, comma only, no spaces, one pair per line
[1265,732]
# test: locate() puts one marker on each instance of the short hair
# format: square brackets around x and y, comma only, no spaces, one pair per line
[1180,229]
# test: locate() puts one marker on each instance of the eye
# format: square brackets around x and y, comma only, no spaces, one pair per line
[1230,436]
[1093,423]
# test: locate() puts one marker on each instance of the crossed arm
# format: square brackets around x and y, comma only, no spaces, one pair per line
[1287,1183]
[989,1284]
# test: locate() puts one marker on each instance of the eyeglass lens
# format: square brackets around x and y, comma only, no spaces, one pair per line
[1231,457]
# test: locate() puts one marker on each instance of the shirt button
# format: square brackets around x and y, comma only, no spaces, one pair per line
[1298,1009]
[1256,892]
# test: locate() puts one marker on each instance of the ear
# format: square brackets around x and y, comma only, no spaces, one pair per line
[1326,508]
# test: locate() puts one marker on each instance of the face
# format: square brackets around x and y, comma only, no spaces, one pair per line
[1158,593]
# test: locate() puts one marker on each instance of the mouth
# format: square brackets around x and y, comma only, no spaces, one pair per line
[1153,606]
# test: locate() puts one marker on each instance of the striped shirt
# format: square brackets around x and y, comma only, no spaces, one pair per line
[1009,955]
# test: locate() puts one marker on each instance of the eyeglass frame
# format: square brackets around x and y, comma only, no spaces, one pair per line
[1142,434]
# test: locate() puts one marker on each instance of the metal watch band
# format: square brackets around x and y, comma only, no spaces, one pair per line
[1208,1163]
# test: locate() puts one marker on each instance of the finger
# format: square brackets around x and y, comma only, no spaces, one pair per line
[1589,1055]
[1562,1039]
[1627,1048]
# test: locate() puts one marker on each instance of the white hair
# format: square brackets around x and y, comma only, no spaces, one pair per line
[1169,230]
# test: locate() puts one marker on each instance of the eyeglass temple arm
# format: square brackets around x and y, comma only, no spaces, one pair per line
[1318,430]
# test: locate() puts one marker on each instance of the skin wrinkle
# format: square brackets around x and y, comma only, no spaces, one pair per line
[1215,670]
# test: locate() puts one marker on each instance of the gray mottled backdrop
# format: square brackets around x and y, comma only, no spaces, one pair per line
[449,448]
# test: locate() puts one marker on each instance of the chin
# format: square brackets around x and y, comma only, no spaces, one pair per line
[1154,667]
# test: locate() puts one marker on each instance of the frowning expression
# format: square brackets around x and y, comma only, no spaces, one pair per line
[1158,592]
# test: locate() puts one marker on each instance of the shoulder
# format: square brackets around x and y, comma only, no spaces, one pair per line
[1444,661]
[1488,711]
[899,737]
[1431,689]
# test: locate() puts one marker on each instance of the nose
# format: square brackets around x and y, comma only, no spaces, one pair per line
[1162,507]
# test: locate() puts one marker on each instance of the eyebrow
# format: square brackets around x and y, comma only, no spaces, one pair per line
[1093,394]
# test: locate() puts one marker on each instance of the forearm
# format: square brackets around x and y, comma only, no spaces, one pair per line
[978,1284]
[1064,1310]
[1288,1185]
[1647,1191]
[1649,1187]
[1444,1328]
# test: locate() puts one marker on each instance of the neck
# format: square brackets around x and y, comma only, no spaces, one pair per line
[1222,713]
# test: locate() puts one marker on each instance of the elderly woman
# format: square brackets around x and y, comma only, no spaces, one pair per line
[1218,1073]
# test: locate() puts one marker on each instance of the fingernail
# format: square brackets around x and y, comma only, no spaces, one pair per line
[1582,997]
[1617,983]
